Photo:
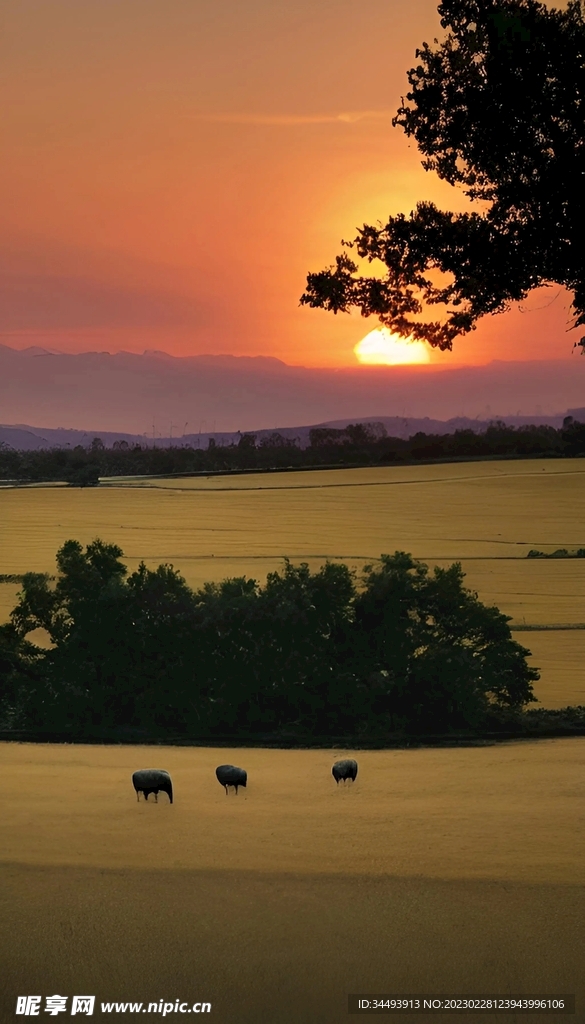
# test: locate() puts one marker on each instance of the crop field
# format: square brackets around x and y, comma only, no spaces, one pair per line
[453,871]
[446,870]
[486,515]
[560,657]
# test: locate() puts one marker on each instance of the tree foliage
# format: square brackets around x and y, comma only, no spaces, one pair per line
[320,653]
[497,108]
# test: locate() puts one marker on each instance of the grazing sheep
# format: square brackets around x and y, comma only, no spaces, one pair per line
[344,770]
[151,780]
[228,775]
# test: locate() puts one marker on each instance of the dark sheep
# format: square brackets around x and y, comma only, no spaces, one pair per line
[151,780]
[228,775]
[343,770]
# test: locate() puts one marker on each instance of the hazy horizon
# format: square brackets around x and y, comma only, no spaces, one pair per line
[32,350]
[173,395]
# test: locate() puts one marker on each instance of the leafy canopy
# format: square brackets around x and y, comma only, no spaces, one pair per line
[497,108]
[401,649]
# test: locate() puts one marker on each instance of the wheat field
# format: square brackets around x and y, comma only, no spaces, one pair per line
[455,870]
[486,515]
[450,871]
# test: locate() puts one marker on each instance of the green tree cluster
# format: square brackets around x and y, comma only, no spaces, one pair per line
[322,653]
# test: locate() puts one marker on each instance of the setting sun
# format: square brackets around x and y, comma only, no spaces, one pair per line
[384,348]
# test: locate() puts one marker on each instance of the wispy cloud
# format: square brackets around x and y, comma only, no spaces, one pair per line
[346,117]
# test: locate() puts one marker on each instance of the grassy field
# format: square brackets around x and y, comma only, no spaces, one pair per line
[437,871]
[486,515]
[445,870]
[560,656]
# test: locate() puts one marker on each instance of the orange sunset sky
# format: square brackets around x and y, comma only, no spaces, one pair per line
[172,169]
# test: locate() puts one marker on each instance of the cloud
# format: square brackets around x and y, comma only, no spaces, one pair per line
[346,117]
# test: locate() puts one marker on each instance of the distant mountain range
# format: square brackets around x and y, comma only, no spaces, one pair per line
[157,396]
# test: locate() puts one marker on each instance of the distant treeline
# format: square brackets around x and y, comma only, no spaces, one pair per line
[399,650]
[559,553]
[358,444]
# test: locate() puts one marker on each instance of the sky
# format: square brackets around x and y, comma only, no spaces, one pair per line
[172,169]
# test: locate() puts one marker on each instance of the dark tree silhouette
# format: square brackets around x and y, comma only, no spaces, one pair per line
[19,679]
[314,653]
[497,108]
[430,654]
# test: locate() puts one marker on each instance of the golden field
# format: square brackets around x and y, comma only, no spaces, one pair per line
[246,523]
[438,813]
[486,515]
[560,657]
[450,871]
